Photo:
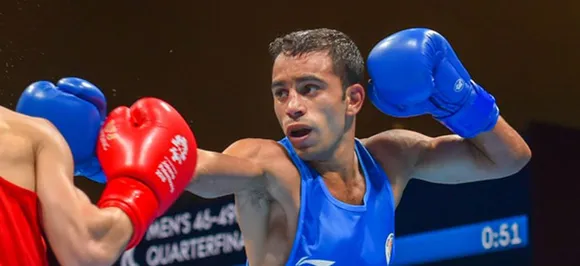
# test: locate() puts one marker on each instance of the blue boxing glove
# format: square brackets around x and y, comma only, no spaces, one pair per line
[415,72]
[77,109]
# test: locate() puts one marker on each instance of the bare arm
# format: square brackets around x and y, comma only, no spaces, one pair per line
[78,232]
[451,159]
[233,171]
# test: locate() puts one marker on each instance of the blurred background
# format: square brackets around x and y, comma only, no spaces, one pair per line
[209,59]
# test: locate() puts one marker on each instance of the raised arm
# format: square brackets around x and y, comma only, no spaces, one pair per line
[410,80]
[451,159]
[234,170]
[78,231]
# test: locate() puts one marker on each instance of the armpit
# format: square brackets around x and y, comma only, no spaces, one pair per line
[255,198]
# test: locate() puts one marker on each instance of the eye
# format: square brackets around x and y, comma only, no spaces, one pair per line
[309,89]
[281,93]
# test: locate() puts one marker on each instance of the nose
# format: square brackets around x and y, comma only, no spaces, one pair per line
[295,108]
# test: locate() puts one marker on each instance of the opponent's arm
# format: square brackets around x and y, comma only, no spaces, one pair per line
[233,171]
[78,231]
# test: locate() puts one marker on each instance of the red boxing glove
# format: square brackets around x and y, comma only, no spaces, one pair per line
[149,155]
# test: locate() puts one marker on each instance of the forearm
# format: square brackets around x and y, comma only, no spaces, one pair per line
[503,146]
[82,234]
[110,236]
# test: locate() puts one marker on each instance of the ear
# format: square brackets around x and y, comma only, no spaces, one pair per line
[355,97]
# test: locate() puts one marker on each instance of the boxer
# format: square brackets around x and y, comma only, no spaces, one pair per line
[38,199]
[320,195]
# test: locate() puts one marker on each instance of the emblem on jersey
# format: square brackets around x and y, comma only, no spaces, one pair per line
[389,247]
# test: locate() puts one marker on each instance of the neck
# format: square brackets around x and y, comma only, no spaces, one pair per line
[342,163]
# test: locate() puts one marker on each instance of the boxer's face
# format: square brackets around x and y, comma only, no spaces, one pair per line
[311,105]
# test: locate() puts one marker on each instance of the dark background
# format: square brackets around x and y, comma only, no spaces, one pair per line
[209,59]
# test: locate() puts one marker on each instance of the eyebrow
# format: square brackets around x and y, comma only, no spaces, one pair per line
[301,79]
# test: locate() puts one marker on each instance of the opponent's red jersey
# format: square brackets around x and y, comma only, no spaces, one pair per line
[21,238]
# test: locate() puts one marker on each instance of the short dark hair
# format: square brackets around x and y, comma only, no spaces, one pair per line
[346,58]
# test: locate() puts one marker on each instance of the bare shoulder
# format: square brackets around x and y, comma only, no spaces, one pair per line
[32,131]
[257,150]
[20,138]
[273,158]
[18,132]
[40,131]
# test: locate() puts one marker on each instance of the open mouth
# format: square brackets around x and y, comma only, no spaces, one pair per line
[298,131]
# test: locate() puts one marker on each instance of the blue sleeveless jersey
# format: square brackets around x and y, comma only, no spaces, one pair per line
[331,232]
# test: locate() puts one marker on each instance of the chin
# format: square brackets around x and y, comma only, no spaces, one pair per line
[305,155]
[311,153]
